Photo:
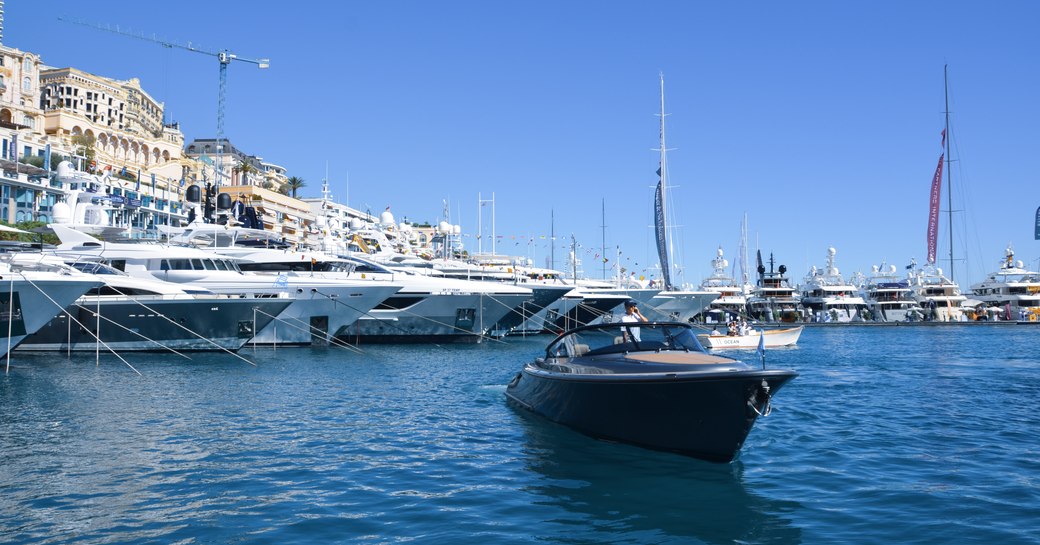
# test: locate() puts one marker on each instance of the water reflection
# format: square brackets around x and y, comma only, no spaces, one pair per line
[623,489]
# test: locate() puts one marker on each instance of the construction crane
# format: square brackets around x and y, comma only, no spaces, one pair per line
[224,57]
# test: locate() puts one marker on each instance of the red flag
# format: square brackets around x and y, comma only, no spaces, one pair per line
[943,145]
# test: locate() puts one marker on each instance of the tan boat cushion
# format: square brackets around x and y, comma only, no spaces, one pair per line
[678,357]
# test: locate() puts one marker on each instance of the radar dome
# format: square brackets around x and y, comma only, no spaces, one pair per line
[831,251]
[892,269]
[457,229]
[356,224]
[444,228]
[386,218]
[61,211]
[65,168]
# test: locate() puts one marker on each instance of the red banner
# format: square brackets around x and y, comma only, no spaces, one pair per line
[933,210]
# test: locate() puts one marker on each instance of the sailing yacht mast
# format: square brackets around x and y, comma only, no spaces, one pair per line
[949,173]
[660,225]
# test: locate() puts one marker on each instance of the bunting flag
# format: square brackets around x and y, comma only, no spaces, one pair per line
[14,148]
[1036,234]
[137,187]
[933,210]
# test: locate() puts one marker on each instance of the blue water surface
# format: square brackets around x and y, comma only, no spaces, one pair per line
[889,435]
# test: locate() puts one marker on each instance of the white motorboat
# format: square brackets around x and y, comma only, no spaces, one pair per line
[828,297]
[1012,288]
[940,298]
[134,314]
[732,295]
[774,299]
[30,295]
[320,307]
[770,338]
[426,308]
[889,297]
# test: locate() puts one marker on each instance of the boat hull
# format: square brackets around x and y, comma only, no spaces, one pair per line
[28,303]
[705,415]
[156,325]
[449,318]
[773,338]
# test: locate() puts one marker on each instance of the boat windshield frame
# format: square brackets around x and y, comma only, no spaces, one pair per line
[624,337]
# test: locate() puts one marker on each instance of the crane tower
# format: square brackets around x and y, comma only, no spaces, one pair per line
[224,58]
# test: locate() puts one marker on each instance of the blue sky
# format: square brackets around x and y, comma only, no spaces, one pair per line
[819,120]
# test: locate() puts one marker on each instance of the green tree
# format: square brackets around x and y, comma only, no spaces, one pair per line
[85,147]
[32,237]
[245,168]
[293,184]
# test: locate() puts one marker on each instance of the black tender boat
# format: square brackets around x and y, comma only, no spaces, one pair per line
[649,384]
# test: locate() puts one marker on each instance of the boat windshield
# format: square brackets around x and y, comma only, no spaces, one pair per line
[614,338]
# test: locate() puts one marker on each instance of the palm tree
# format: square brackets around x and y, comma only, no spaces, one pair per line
[294,183]
[245,168]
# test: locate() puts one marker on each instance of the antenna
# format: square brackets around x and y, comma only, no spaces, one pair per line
[224,58]
[603,237]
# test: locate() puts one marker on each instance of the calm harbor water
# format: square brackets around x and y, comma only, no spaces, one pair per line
[890,435]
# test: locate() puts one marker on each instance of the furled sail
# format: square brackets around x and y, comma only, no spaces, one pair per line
[662,234]
[933,205]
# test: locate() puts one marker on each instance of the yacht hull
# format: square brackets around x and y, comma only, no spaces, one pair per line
[155,325]
[431,318]
[26,305]
[319,313]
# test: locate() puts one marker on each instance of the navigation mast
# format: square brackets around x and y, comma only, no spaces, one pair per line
[949,173]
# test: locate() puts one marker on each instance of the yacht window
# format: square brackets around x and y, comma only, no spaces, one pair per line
[221,265]
[164,265]
[197,264]
[180,264]
[210,266]
[119,264]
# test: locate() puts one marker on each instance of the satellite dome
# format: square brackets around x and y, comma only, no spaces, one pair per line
[386,218]
[65,169]
[356,224]
[61,212]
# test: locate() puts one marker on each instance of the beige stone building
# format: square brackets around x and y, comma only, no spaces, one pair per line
[125,123]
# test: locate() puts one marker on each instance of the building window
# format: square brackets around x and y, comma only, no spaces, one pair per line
[27,66]
[27,84]
[29,122]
